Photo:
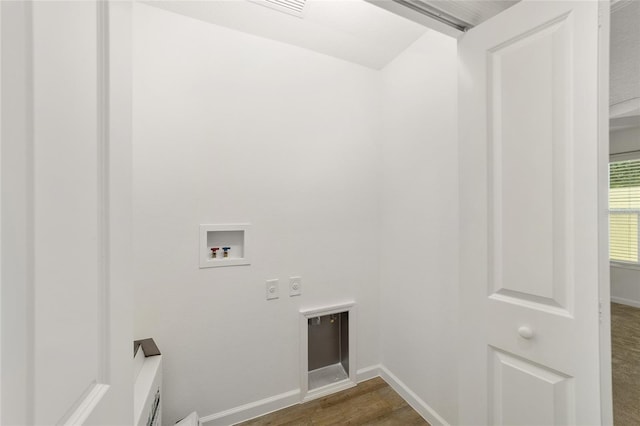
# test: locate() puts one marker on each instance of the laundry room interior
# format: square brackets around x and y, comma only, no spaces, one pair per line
[319,212]
[331,140]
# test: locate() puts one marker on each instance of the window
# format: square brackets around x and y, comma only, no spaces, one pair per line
[624,210]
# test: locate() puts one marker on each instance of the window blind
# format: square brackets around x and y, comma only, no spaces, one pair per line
[624,210]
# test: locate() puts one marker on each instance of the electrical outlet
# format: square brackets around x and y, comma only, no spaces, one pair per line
[295,286]
[273,291]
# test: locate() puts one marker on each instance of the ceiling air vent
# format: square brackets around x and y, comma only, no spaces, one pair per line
[292,7]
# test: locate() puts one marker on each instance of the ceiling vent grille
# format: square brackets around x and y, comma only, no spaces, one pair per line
[292,7]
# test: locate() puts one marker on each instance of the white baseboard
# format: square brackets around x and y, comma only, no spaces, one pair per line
[623,301]
[368,373]
[252,410]
[428,413]
[271,404]
[328,390]
[287,399]
[362,375]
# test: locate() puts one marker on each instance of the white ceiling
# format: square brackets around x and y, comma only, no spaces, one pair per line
[363,32]
[353,30]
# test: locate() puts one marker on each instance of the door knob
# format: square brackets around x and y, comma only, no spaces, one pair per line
[525,332]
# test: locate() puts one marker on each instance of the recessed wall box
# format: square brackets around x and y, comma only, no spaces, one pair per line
[327,352]
[230,238]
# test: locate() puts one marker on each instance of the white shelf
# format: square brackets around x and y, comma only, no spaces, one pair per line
[328,375]
[234,236]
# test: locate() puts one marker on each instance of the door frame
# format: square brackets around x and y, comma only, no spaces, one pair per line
[16,289]
[0,212]
[606,389]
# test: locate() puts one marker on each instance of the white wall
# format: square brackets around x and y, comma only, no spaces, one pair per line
[231,128]
[420,221]
[625,280]
[624,140]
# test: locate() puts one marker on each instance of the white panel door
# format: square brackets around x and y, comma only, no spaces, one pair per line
[68,277]
[66,318]
[529,217]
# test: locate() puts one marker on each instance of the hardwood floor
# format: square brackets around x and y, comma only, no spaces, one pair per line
[625,357]
[374,402]
[370,403]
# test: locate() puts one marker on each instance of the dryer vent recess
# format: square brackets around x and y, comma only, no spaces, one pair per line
[328,349]
[328,352]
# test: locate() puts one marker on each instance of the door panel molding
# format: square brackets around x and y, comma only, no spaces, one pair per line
[606,392]
[18,279]
[103,149]
[528,118]
[530,301]
[547,396]
[89,399]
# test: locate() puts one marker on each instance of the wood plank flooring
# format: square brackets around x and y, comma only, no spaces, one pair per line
[374,402]
[625,358]
[370,403]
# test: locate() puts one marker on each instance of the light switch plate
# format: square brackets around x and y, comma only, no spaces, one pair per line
[273,291]
[295,286]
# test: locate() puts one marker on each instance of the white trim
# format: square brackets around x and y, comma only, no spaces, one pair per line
[86,406]
[287,399]
[622,265]
[305,315]
[428,413]
[603,159]
[117,406]
[89,400]
[103,191]
[274,403]
[623,301]
[29,207]
[0,209]
[368,373]
[252,409]
[327,390]
[18,264]
[328,310]
[624,156]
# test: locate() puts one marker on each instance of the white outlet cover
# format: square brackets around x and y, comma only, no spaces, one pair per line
[295,286]
[273,290]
